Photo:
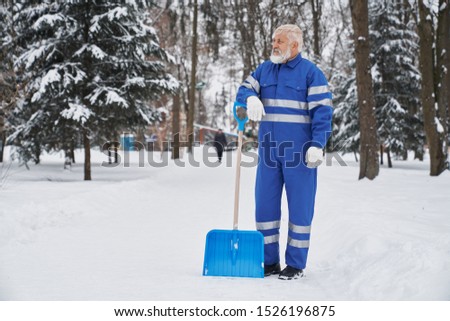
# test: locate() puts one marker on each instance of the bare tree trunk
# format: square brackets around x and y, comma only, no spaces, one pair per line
[176,126]
[316,6]
[2,144]
[418,154]
[381,154]
[2,120]
[253,19]
[440,74]
[388,152]
[405,18]
[426,65]
[341,11]
[191,111]
[202,116]
[447,63]
[162,129]
[36,152]
[405,155]
[8,86]
[265,32]
[116,152]
[442,71]
[87,155]
[2,135]
[72,151]
[85,131]
[369,166]
[245,29]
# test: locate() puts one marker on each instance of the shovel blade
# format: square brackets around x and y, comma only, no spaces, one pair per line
[234,253]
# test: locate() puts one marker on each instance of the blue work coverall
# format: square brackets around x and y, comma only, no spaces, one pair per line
[298,107]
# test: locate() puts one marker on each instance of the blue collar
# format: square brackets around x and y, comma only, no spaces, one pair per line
[292,63]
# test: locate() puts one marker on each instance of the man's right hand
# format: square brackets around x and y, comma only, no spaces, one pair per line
[255,108]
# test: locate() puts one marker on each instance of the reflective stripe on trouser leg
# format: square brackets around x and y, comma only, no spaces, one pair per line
[270,230]
[300,190]
[268,192]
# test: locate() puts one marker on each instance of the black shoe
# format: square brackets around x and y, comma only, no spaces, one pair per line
[272,269]
[290,273]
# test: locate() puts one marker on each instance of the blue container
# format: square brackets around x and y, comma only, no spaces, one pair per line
[127,142]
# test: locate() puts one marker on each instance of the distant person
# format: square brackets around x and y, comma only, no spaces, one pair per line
[67,162]
[220,141]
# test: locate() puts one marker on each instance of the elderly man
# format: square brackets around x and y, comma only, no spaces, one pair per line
[291,98]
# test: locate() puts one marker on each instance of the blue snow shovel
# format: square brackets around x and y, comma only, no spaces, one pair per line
[233,252]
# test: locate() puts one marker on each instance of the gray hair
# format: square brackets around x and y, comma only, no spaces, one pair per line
[293,32]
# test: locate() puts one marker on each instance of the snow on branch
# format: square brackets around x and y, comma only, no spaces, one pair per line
[24,129]
[49,19]
[93,49]
[113,14]
[144,116]
[74,75]
[77,112]
[170,83]
[112,97]
[51,76]
[32,55]
[139,81]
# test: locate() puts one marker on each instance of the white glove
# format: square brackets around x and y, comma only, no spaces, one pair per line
[255,108]
[314,157]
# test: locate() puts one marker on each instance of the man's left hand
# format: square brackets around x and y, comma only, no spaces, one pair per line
[314,157]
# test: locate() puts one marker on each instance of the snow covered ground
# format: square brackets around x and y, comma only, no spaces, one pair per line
[138,233]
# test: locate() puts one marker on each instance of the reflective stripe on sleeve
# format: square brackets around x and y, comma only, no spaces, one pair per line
[302,119]
[297,243]
[325,102]
[299,229]
[253,82]
[318,90]
[247,85]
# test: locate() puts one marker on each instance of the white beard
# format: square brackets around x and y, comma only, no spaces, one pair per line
[278,59]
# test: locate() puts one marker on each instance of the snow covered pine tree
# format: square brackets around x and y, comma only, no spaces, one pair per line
[396,78]
[396,81]
[90,68]
[7,77]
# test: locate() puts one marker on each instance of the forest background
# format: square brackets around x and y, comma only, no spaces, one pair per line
[79,74]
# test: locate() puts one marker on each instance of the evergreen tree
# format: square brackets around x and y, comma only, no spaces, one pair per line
[7,76]
[346,136]
[396,82]
[90,69]
[396,77]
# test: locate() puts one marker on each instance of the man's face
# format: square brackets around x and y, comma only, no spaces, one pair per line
[282,51]
[280,43]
